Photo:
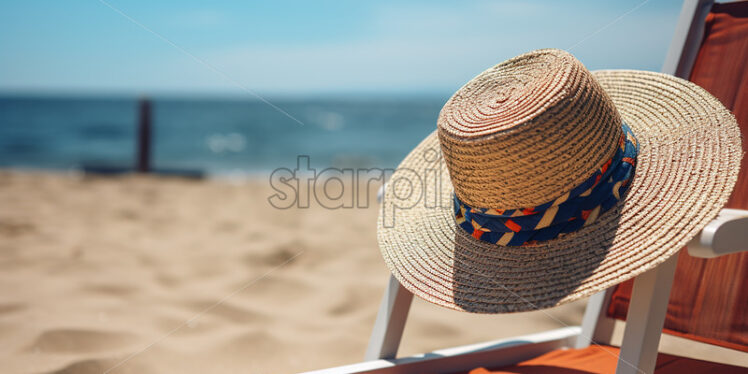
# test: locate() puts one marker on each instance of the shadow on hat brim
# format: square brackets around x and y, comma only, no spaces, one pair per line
[690,152]
[494,276]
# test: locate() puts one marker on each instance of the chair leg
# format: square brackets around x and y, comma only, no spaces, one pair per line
[596,327]
[388,328]
[645,318]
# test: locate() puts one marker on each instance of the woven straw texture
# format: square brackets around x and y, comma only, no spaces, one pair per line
[526,131]
[690,152]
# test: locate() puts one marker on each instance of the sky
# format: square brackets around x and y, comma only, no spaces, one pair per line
[288,48]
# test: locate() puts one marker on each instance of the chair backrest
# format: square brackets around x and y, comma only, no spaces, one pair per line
[709,298]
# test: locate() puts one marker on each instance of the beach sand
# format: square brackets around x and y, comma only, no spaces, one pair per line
[163,275]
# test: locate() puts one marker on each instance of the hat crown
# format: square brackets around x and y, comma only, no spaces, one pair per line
[527,131]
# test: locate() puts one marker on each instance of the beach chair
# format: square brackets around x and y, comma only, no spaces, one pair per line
[700,295]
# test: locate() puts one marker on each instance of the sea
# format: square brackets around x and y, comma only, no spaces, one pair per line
[216,137]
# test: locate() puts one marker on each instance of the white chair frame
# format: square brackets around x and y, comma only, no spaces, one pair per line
[728,233]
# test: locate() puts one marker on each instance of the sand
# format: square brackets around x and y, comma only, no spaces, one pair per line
[142,274]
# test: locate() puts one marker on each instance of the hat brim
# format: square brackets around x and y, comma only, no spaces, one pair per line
[689,158]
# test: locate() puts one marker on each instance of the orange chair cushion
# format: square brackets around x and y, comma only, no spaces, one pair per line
[603,359]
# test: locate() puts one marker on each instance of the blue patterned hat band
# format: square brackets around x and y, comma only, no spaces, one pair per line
[565,214]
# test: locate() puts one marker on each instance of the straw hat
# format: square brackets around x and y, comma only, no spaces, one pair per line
[545,183]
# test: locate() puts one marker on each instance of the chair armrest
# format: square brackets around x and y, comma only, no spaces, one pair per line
[728,233]
[380,192]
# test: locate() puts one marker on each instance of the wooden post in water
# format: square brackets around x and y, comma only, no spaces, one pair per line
[143,156]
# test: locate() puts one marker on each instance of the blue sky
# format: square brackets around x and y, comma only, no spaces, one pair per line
[309,47]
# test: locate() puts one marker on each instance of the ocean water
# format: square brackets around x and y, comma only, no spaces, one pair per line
[216,137]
